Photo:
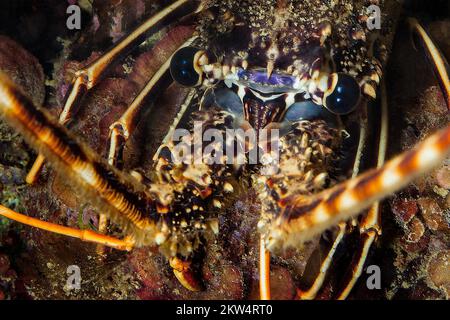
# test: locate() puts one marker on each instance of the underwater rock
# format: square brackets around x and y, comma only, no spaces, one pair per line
[439,271]
[443,177]
[23,68]
[4,264]
[415,231]
[404,210]
[433,215]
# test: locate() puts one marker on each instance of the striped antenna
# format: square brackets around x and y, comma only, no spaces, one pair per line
[302,218]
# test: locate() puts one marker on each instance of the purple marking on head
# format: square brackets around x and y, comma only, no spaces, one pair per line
[260,77]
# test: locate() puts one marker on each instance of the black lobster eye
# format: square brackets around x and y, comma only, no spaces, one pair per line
[184,67]
[344,96]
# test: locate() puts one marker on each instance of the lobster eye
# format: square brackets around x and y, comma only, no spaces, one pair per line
[344,95]
[184,66]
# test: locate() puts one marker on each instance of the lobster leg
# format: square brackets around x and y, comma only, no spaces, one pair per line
[122,129]
[89,76]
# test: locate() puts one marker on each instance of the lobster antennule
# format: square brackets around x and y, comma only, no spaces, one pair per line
[302,218]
